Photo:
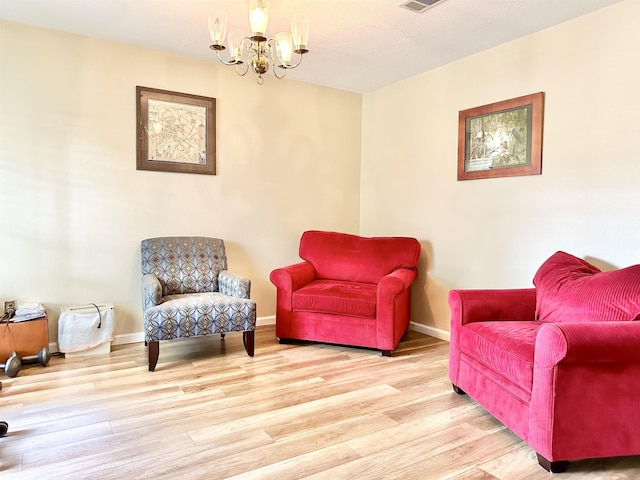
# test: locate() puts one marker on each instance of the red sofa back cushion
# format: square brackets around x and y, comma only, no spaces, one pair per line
[340,256]
[569,289]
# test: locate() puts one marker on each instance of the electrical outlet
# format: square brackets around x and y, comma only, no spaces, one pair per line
[10,305]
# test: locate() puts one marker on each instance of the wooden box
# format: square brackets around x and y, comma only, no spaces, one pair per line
[26,338]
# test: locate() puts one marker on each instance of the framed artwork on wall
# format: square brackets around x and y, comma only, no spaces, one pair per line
[502,139]
[176,132]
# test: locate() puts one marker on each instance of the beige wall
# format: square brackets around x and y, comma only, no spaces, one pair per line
[73,207]
[289,158]
[495,233]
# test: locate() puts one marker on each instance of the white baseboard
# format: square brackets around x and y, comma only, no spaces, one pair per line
[431,331]
[270,320]
[128,338]
[138,337]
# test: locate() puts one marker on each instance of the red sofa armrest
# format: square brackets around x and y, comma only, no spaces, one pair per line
[584,402]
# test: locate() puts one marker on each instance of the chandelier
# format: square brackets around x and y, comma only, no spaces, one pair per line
[256,50]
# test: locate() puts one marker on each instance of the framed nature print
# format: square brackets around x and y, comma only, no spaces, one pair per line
[176,132]
[502,139]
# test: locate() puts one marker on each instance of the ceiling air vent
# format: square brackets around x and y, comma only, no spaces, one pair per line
[419,6]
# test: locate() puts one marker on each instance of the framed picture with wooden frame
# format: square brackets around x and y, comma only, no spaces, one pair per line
[502,139]
[176,132]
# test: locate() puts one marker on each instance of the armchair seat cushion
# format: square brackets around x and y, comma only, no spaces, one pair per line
[505,351]
[337,297]
[190,315]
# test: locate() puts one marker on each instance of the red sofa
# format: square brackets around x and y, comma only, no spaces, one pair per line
[558,364]
[348,290]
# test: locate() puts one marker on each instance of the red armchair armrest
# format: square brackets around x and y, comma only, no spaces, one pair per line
[584,402]
[588,342]
[481,305]
[294,276]
[393,304]
[287,280]
[395,283]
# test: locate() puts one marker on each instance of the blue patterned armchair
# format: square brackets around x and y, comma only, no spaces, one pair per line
[187,292]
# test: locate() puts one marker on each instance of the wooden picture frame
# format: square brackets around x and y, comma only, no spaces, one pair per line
[502,139]
[176,132]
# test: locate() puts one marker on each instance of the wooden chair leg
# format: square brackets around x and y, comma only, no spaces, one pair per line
[557,466]
[154,351]
[248,339]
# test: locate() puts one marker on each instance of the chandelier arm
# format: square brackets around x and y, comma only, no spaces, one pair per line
[236,62]
[289,67]
[239,70]
[265,50]
[268,51]
[275,71]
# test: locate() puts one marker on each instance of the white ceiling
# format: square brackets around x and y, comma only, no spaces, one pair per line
[355,45]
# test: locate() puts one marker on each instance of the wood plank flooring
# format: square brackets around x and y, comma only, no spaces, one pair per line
[292,411]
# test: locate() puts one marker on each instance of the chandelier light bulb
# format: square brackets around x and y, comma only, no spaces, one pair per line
[258,17]
[284,47]
[236,41]
[300,32]
[217,29]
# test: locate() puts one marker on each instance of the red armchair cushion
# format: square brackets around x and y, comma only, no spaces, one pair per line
[332,296]
[569,289]
[506,348]
[341,256]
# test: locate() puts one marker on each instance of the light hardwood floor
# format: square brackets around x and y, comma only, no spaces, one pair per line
[293,411]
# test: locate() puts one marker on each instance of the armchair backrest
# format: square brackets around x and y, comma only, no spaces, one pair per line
[184,264]
[341,256]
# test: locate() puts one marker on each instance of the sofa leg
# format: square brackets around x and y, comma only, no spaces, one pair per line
[248,339]
[558,466]
[154,351]
[458,390]
[387,353]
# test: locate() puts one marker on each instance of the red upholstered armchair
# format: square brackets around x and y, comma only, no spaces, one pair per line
[558,364]
[348,290]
